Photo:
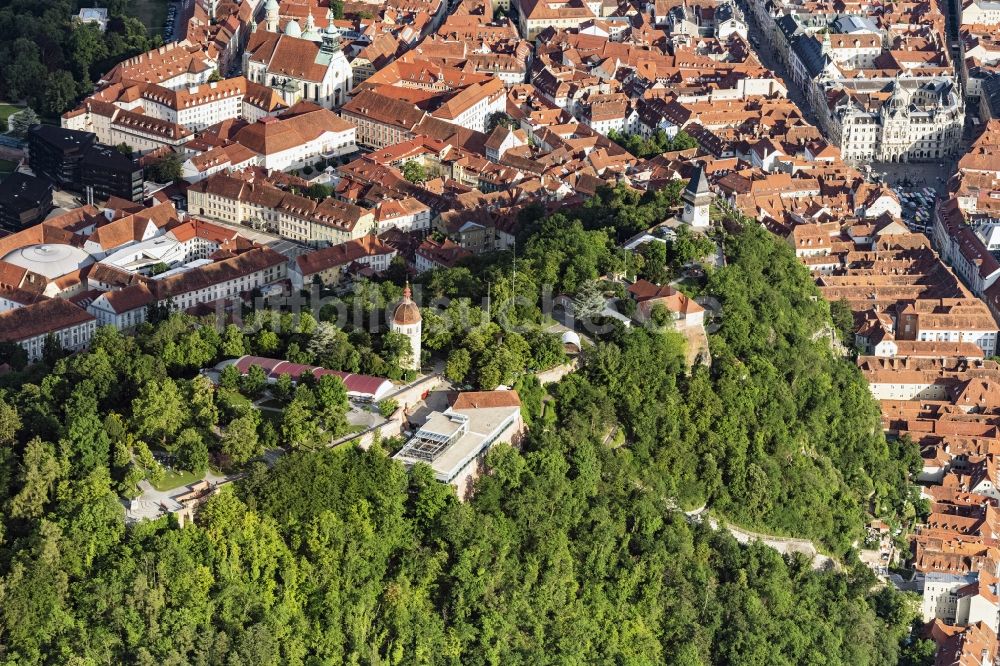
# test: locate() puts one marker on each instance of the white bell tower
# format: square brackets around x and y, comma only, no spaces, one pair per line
[271,15]
[407,321]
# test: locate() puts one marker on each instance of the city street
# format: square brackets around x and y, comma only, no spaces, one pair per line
[908,175]
[768,55]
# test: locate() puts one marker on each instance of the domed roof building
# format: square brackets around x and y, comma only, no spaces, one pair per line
[271,15]
[309,31]
[50,260]
[407,321]
[292,29]
[407,311]
[571,342]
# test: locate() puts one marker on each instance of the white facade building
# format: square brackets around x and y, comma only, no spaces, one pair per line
[920,121]
[981,12]
[959,599]
[455,442]
[29,326]
[299,66]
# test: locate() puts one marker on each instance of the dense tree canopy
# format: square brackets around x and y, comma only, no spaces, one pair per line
[571,550]
[49,59]
[345,558]
[657,144]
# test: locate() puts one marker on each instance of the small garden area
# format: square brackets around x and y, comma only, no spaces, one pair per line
[173,479]
[6,111]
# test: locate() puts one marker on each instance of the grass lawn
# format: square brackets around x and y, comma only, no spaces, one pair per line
[273,416]
[173,480]
[7,166]
[691,287]
[6,111]
[547,321]
[152,13]
[271,403]
[345,447]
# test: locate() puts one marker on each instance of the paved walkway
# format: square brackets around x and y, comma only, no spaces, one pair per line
[784,545]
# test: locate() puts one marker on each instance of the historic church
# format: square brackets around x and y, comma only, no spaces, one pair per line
[300,62]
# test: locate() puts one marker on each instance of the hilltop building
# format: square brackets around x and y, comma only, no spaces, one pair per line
[697,197]
[455,442]
[407,321]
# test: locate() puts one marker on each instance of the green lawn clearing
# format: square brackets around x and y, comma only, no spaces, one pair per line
[173,480]
[6,111]
[274,416]
[271,403]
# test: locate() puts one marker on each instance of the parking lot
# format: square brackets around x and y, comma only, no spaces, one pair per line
[918,185]
[918,207]
[177,12]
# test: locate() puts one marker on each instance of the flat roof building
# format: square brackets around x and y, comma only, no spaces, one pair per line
[106,172]
[24,201]
[56,153]
[51,260]
[455,442]
[96,15]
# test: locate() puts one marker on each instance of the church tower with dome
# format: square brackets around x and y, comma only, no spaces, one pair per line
[271,15]
[407,320]
[309,31]
[299,61]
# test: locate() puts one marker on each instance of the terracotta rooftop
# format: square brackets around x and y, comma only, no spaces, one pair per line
[40,318]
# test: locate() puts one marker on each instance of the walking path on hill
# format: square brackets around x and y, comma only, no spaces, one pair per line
[784,545]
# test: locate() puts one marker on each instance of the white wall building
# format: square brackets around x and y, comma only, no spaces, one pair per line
[982,12]
[29,326]
[455,442]
[407,214]
[959,599]
[921,121]
[297,67]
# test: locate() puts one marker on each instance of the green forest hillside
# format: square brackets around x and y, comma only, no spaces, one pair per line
[569,553]
[49,59]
